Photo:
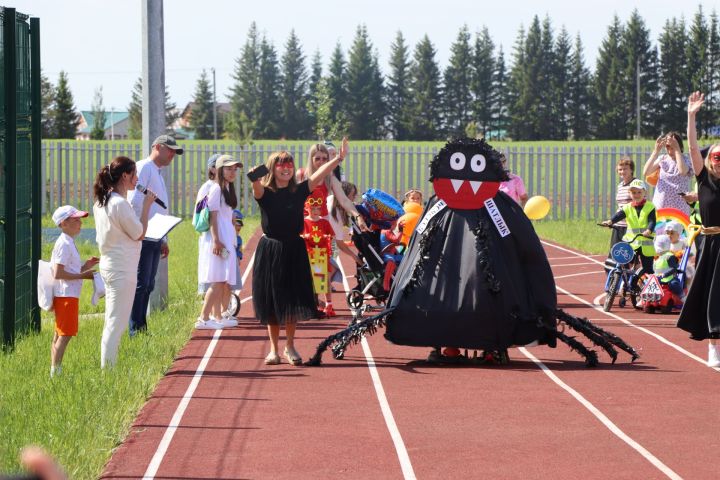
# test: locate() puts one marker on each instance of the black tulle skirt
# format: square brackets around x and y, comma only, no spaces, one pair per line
[700,315]
[282,285]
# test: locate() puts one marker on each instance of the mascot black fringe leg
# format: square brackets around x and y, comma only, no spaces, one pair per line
[475,275]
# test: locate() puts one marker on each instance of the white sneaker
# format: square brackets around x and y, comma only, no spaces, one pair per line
[228,321]
[210,324]
[713,355]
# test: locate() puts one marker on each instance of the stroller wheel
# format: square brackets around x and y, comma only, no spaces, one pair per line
[355,299]
[233,305]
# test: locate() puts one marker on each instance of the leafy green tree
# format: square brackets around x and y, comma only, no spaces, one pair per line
[269,116]
[245,92]
[483,82]
[457,96]
[135,111]
[201,116]
[330,122]
[398,89]
[579,98]
[66,117]
[171,112]
[609,86]
[364,107]
[47,93]
[294,122]
[97,132]
[674,83]
[696,58]
[426,100]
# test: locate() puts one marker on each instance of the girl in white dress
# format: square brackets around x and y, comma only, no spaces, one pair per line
[217,260]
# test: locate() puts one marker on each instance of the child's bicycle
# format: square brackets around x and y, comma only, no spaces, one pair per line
[623,278]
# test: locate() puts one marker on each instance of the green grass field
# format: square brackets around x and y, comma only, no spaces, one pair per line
[83,415]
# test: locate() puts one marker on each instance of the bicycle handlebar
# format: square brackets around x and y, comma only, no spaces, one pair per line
[615,227]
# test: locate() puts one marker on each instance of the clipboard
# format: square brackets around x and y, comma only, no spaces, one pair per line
[160,225]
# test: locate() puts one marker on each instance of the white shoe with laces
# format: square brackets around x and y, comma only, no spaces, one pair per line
[713,355]
[210,324]
[228,321]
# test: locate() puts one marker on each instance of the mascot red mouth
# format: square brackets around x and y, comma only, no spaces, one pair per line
[465,194]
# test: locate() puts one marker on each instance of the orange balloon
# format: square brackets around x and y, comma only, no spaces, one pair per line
[408,223]
[652,179]
[412,207]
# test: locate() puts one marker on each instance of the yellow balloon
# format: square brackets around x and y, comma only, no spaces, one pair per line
[537,207]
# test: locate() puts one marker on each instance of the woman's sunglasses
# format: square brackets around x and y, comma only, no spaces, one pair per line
[715,157]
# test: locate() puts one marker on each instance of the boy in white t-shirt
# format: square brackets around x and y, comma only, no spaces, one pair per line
[69,274]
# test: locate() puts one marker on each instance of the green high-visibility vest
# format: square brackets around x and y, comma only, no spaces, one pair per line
[638,224]
[661,265]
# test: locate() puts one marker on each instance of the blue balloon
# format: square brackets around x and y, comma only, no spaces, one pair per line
[381,207]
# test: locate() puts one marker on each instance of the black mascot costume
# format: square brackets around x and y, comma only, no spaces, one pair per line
[475,275]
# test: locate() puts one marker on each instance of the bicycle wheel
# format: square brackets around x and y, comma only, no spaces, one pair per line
[611,291]
[233,305]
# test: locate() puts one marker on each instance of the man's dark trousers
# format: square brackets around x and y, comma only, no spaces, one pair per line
[147,269]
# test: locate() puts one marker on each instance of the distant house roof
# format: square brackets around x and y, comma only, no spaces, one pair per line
[88,120]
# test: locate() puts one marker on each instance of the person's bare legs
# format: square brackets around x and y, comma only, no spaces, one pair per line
[273,358]
[59,347]
[292,356]
[213,297]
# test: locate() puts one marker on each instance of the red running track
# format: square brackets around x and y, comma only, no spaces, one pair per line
[383,412]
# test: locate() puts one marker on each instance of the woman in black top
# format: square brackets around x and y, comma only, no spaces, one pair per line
[700,315]
[282,281]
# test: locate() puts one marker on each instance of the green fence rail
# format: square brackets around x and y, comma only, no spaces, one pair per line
[20,206]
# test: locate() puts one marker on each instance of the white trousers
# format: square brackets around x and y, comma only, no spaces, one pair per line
[119,296]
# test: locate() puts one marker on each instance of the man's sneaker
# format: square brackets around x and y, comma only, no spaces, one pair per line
[211,324]
[713,355]
[227,321]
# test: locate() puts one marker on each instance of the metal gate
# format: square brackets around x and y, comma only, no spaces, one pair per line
[20,209]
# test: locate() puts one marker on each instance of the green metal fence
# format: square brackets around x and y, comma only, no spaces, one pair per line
[20,207]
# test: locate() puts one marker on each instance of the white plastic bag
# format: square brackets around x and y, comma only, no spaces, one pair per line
[45,285]
[98,288]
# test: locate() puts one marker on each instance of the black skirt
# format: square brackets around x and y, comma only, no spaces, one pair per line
[282,285]
[700,315]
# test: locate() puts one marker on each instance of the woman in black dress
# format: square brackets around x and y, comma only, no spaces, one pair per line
[700,315]
[282,281]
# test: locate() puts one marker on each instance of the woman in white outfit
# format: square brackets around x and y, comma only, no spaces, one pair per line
[217,264]
[119,238]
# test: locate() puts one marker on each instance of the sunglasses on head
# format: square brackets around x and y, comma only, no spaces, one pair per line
[315,201]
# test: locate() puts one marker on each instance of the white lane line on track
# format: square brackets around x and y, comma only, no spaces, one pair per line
[570,251]
[400,450]
[574,264]
[626,322]
[575,274]
[603,419]
[574,257]
[164,444]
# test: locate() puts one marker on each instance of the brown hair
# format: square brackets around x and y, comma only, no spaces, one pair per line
[347,188]
[310,169]
[268,180]
[109,176]
[227,188]
[627,161]
[677,137]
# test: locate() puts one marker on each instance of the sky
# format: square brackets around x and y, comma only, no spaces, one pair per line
[98,42]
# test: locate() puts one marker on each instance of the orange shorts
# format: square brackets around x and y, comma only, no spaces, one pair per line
[66,310]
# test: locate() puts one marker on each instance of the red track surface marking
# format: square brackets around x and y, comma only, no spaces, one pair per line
[247,420]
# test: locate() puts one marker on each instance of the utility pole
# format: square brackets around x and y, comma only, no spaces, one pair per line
[214,107]
[153,111]
[637,84]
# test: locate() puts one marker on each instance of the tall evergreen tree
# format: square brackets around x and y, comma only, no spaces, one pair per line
[201,116]
[528,110]
[546,123]
[294,119]
[66,117]
[500,116]
[560,83]
[337,82]
[425,91]
[135,111]
[515,90]
[269,116]
[47,93]
[97,132]
[365,107]
[457,96]
[171,112]
[579,98]
[609,86]
[330,121]
[398,89]
[484,82]
[713,94]
[696,57]
[245,91]
[674,83]
[639,58]
[313,85]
